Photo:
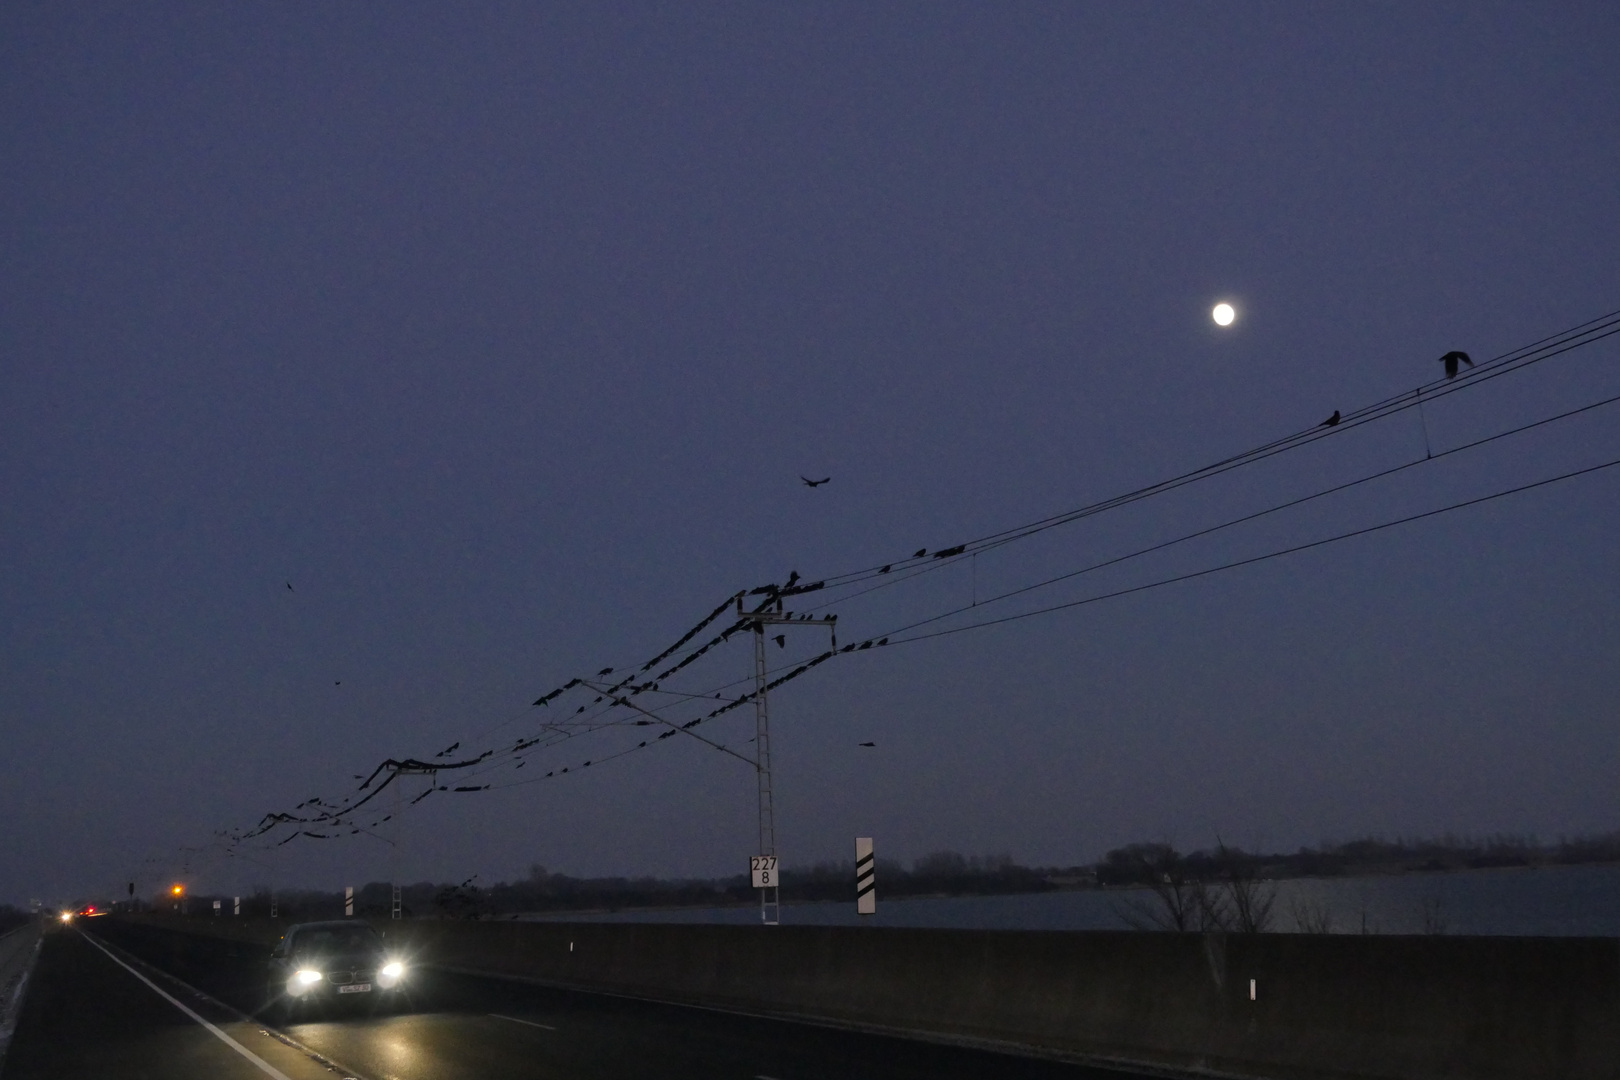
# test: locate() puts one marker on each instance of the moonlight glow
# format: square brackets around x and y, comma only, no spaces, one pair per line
[1223,314]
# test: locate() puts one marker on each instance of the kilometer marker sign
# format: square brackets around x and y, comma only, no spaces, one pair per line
[763,869]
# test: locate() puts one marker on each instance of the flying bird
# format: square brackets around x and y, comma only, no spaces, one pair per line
[781,641]
[290,588]
[1450,360]
[813,483]
[869,744]
[1332,421]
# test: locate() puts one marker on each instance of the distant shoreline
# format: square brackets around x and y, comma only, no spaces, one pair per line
[551,914]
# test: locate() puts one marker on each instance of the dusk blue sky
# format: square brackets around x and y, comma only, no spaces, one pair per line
[503,333]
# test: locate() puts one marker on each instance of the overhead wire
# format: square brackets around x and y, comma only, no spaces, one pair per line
[1256,515]
[596,715]
[1252,560]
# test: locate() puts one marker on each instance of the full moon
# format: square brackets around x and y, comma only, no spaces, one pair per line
[1223,314]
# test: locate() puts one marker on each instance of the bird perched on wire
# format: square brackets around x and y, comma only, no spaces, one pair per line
[1450,360]
[813,483]
[1332,421]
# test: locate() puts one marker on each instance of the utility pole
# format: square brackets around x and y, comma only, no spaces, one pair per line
[766,868]
[764,865]
[396,900]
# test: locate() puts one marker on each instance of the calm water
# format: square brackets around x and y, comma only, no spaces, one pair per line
[1559,901]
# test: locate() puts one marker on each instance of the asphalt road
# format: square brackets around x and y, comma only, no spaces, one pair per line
[97,1008]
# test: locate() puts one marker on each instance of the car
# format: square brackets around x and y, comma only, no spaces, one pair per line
[319,964]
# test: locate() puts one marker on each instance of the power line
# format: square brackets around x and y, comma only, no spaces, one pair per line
[1244,519]
[1257,558]
[1587,333]
[598,715]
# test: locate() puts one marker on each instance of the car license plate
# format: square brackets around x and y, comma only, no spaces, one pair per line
[355,988]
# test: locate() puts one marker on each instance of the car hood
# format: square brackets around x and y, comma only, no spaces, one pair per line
[332,961]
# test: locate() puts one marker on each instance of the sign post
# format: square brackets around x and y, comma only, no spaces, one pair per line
[865,877]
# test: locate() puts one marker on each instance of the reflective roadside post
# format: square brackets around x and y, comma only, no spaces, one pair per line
[865,877]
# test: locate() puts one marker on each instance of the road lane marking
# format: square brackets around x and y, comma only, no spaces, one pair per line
[267,1068]
[515,1020]
[268,1032]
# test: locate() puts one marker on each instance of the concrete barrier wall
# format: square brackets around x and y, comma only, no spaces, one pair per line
[1324,1006]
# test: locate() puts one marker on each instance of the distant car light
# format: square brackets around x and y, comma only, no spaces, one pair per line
[67,916]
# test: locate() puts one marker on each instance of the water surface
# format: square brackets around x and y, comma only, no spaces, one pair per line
[1581,901]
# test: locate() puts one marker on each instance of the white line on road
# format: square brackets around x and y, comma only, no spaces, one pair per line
[515,1020]
[265,1066]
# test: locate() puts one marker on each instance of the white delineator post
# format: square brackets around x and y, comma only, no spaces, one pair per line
[865,877]
[236,904]
[348,900]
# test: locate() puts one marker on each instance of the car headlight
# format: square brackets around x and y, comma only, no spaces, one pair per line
[307,977]
[393,969]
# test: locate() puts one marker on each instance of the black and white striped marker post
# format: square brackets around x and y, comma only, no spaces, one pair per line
[865,877]
[348,900]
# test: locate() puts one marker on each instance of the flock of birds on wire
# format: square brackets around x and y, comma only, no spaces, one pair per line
[613,704]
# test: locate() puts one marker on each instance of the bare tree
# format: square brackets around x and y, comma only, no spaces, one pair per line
[1180,902]
[1311,916]
[1247,903]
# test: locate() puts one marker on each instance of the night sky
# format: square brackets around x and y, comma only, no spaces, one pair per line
[368,370]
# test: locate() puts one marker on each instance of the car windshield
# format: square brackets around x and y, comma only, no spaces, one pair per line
[336,939]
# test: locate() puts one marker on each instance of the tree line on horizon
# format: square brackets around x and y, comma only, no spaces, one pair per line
[1221,887]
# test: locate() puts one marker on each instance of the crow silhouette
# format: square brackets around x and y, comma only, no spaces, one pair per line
[868,744]
[1332,421]
[885,570]
[814,483]
[920,553]
[781,641]
[604,671]
[1450,360]
[449,749]
[792,579]
[290,588]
